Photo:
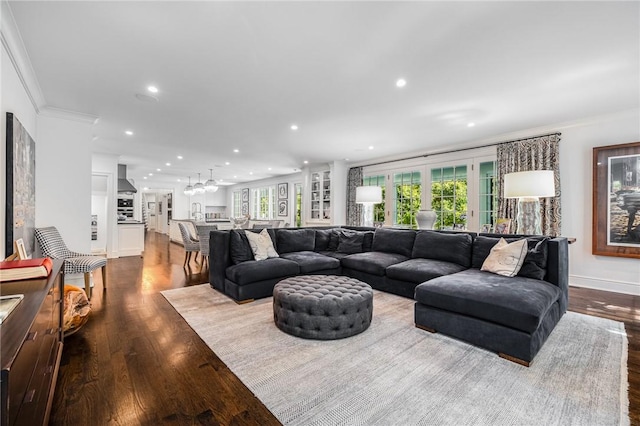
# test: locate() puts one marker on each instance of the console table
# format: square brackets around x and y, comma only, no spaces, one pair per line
[31,348]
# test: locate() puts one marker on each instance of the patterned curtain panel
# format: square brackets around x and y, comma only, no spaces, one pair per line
[539,153]
[354,211]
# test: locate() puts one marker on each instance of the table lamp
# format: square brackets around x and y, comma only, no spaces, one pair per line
[368,196]
[528,187]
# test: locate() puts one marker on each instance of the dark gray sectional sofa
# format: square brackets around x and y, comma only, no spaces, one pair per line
[441,270]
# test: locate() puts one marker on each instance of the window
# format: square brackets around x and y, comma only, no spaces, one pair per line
[487,192]
[407,198]
[378,209]
[449,196]
[237,204]
[263,203]
[298,191]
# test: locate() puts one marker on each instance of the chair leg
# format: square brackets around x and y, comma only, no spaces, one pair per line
[104,277]
[87,284]
[186,258]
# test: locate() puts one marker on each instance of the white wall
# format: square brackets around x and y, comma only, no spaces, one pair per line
[576,151]
[107,165]
[13,99]
[63,179]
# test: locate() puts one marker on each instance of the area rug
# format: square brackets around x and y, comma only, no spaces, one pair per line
[394,373]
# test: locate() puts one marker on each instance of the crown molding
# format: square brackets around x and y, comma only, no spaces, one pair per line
[47,111]
[14,46]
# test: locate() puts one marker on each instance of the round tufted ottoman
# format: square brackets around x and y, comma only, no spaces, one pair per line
[322,307]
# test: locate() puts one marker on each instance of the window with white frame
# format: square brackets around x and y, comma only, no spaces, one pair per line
[263,203]
[378,209]
[237,204]
[407,198]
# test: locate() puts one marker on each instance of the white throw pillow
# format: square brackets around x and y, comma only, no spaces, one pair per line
[261,245]
[506,259]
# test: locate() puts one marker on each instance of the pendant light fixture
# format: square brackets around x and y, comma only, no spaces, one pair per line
[211,185]
[198,187]
[188,190]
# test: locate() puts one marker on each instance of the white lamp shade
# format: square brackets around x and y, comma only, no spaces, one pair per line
[530,184]
[368,194]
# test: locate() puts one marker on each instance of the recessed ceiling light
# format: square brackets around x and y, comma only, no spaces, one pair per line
[179,157]
[236,151]
[146,188]
[152,89]
[226,163]
[158,170]
[128,132]
[179,180]
[294,127]
[401,82]
[269,168]
[305,162]
[167,164]
[371,147]
[235,177]
[144,177]
[250,173]
[220,180]
[150,174]
[471,124]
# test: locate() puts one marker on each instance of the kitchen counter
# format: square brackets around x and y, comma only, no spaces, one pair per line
[130,238]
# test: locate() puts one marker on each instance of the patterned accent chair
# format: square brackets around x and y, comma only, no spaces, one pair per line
[203,236]
[190,243]
[53,246]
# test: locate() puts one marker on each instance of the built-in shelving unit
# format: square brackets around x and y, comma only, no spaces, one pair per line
[320,196]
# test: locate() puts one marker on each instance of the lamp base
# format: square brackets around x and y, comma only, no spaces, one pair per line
[367,214]
[528,216]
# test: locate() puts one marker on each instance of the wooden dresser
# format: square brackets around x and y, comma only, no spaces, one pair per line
[31,347]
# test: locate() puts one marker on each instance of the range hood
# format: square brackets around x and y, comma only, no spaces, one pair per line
[124,186]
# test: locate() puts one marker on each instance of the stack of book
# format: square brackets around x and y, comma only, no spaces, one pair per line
[13,270]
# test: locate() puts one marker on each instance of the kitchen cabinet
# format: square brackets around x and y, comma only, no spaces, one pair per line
[130,238]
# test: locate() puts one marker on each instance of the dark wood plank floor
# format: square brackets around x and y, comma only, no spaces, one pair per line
[136,362]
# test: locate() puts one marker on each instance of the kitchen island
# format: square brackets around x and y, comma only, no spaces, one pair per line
[130,238]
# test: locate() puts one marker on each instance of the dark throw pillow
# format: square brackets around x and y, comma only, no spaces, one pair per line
[350,242]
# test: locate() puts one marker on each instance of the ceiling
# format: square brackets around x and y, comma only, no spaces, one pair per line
[237,75]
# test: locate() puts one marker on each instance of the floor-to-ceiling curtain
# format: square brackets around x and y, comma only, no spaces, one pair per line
[354,211]
[538,153]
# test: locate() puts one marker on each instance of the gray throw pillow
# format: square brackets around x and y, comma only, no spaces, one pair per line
[350,242]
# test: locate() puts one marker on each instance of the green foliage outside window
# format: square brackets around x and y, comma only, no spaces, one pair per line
[407,204]
[449,200]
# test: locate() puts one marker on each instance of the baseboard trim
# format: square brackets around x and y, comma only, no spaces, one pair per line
[604,285]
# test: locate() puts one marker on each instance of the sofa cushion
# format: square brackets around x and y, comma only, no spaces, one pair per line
[420,270]
[290,240]
[261,245]
[372,262]
[350,242]
[334,254]
[436,245]
[239,248]
[253,270]
[516,302]
[310,261]
[535,263]
[505,258]
[393,241]
[323,237]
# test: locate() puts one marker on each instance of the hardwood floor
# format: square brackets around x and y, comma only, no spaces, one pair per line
[136,362]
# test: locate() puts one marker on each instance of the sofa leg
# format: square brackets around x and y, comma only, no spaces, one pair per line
[242,302]
[514,359]
[422,327]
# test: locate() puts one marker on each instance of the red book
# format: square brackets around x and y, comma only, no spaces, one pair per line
[13,270]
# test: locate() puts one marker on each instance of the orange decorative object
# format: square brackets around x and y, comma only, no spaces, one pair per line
[76,309]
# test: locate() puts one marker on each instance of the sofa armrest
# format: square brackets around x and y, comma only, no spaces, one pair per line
[219,258]
[558,268]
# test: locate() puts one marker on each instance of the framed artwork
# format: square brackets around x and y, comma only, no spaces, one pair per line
[245,195]
[283,208]
[151,206]
[283,191]
[20,207]
[616,200]
[503,226]
[20,249]
[94,227]
[486,228]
